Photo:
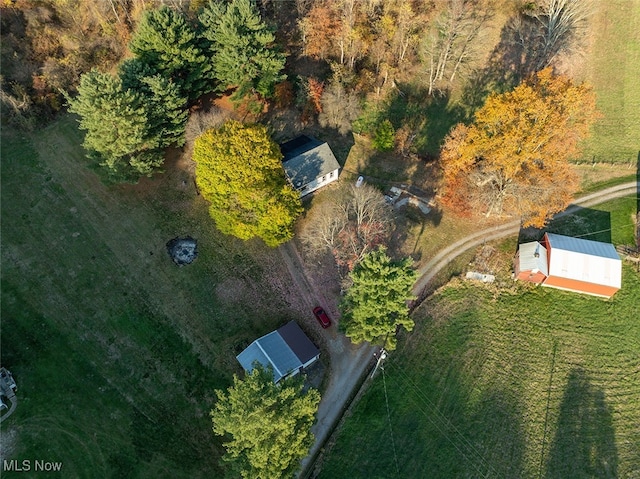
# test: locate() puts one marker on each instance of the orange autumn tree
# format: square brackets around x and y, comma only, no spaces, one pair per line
[319,28]
[513,160]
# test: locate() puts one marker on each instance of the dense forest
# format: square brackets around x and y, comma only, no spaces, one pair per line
[341,54]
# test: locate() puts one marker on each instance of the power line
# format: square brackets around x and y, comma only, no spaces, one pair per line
[434,412]
[393,442]
[448,424]
[546,415]
[603,231]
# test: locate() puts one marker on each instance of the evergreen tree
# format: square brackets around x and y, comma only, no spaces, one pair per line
[239,171]
[376,302]
[164,103]
[384,137]
[243,47]
[269,425]
[116,121]
[130,119]
[169,45]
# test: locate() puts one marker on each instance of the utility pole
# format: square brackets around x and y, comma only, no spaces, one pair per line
[382,357]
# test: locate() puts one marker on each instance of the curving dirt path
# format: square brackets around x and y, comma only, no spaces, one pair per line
[429,270]
[348,362]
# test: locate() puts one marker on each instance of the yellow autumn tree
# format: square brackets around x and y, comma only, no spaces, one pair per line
[514,159]
[239,171]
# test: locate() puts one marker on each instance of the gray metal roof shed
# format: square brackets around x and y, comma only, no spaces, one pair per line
[286,350]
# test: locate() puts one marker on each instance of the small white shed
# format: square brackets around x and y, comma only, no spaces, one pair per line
[309,164]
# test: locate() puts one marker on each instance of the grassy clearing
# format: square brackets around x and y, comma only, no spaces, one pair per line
[613,68]
[603,175]
[526,383]
[388,168]
[116,350]
[424,236]
[610,222]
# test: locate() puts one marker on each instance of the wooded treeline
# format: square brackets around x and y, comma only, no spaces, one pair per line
[174,63]
[382,68]
[48,44]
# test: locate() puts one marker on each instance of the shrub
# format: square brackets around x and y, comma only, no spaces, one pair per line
[384,138]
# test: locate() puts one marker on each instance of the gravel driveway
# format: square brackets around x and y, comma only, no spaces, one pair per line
[347,361]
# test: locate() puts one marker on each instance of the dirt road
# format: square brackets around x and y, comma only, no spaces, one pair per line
[429,270]
[348,363]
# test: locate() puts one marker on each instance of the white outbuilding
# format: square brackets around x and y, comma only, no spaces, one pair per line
[286,350]
[309,164]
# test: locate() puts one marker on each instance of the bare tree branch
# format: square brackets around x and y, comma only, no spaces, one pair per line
[561,22]
[354,222]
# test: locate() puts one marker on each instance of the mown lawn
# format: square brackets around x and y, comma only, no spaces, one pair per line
[117,351]
[609,222]
[525,383]
[613,68]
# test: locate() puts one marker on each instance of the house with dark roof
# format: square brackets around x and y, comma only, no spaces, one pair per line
[309,164]
[571,264]
[287,351]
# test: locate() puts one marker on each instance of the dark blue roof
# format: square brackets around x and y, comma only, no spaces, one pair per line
[297,146]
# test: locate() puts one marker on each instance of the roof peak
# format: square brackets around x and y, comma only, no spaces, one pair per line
[583,246]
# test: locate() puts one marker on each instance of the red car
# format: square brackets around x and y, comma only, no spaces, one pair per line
[324,320]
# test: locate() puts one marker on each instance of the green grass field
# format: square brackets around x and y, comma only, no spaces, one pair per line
[613,68]
[528,383]
[116,350]
[610,222]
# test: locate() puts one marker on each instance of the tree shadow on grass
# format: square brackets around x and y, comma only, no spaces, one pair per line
[577,222]
[340,144]
[501,437]
[584,444]
[431,118]
[514,58]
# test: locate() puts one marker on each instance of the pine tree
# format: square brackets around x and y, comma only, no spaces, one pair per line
[239,171]
[243,47]
[169,45]
[116,121]
[269,425]
[376,302]
[384,137]
[164,103]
